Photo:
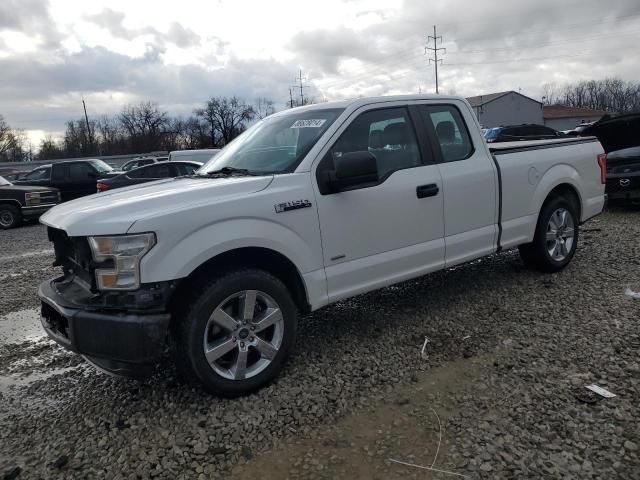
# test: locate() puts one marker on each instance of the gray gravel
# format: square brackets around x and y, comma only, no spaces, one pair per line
[523,416]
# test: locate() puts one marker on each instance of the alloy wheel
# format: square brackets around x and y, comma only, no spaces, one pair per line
[243,335]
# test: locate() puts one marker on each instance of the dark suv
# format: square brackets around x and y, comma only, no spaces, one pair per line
[517,133]
[74,179]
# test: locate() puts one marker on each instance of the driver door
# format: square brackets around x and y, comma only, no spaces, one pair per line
[377,235]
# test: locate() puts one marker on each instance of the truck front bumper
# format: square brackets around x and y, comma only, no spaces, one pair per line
[120,342]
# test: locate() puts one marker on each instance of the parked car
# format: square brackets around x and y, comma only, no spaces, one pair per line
[578,129]
[620,137]
[517,133]
[74,178]
[148,173]
[15,176]
[202,155]
[19,203]
[309,206]
[138,162]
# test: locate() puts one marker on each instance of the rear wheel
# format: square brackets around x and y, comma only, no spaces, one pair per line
[10,216]
[556,237]
[236,332]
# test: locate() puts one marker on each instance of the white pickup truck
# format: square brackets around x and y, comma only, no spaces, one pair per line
[307,207]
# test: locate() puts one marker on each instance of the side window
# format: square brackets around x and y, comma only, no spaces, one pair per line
[81,171]
[187,168]
[451,132]
[39,174]
[387,134]
[161,170]
[59,172]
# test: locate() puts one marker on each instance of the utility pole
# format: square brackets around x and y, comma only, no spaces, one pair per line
[435,49]
[290,98]
[86,118]
[299,84]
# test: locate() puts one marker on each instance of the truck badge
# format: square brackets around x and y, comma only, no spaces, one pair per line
[293,205]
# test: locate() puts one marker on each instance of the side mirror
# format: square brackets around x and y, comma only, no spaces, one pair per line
[353,168]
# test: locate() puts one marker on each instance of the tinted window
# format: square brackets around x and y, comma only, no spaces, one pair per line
[451,132]
[387,134]
[39,174]
[59,172]
[81,171]
[161,170]
[187,168]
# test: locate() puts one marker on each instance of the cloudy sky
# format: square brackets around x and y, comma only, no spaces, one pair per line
[54,52]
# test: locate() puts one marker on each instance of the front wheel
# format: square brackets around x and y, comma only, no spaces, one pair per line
[10,216]
[556,237]
[236,332]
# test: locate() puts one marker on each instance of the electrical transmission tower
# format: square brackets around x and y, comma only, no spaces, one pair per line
[301,86]
[435,49]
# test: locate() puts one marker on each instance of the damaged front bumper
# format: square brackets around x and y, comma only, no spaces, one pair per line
[112,332]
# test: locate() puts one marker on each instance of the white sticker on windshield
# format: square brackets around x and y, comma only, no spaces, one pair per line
[311,123]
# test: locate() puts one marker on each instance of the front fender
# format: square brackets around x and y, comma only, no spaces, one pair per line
[169,261]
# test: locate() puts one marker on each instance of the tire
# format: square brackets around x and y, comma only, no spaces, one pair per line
[556,236]
[10,216]
[211,319]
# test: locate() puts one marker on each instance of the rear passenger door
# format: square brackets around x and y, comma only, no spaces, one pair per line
[469,183]
[378,234]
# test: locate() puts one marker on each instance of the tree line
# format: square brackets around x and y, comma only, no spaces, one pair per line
[611,95]
[142,128]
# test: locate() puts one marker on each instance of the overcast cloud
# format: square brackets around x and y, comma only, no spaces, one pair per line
[53,53]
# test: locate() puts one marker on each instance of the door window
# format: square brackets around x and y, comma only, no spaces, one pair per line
[388,134]
[160,170]
[81,171]
[187,168]
[59,173]
[451,132]
[39,174]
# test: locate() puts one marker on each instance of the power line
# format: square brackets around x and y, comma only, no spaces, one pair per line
[435,49]
[300,85]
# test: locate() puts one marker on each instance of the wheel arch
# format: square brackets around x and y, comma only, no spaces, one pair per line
[261,258]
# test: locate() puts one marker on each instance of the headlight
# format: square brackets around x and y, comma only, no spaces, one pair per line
[125,253]
[32,199]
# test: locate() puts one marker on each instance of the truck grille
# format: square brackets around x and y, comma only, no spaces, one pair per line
[49,197]
[73,254]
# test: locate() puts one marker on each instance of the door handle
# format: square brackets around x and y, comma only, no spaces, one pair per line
[424,191]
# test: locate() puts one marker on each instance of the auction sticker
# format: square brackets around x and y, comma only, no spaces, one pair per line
[311,123]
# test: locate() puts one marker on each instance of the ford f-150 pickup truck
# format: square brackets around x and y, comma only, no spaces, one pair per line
[307,207]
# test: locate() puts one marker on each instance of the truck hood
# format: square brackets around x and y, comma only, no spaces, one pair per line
[616,133]
[115,212]
[28,188]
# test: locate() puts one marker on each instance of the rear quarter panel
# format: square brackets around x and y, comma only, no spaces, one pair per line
[529,176]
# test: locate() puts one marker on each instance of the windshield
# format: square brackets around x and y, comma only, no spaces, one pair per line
[275,144]
[100,166]
[4,181]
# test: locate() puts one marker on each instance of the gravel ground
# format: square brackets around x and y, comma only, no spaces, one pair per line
[502,381]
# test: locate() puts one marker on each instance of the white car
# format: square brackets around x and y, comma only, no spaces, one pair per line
[308,207]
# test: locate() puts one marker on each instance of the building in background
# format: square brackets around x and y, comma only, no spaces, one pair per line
[506,108]
[561,117]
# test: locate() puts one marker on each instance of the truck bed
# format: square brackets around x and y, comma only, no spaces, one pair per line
[509,147]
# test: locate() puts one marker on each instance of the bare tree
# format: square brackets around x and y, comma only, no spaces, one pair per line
[611,94]
[550,93]
[226,118]
[264,107]
[50,149]
[8,140]
[145,125]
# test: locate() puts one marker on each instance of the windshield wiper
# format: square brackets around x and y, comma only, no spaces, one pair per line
[229,171]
